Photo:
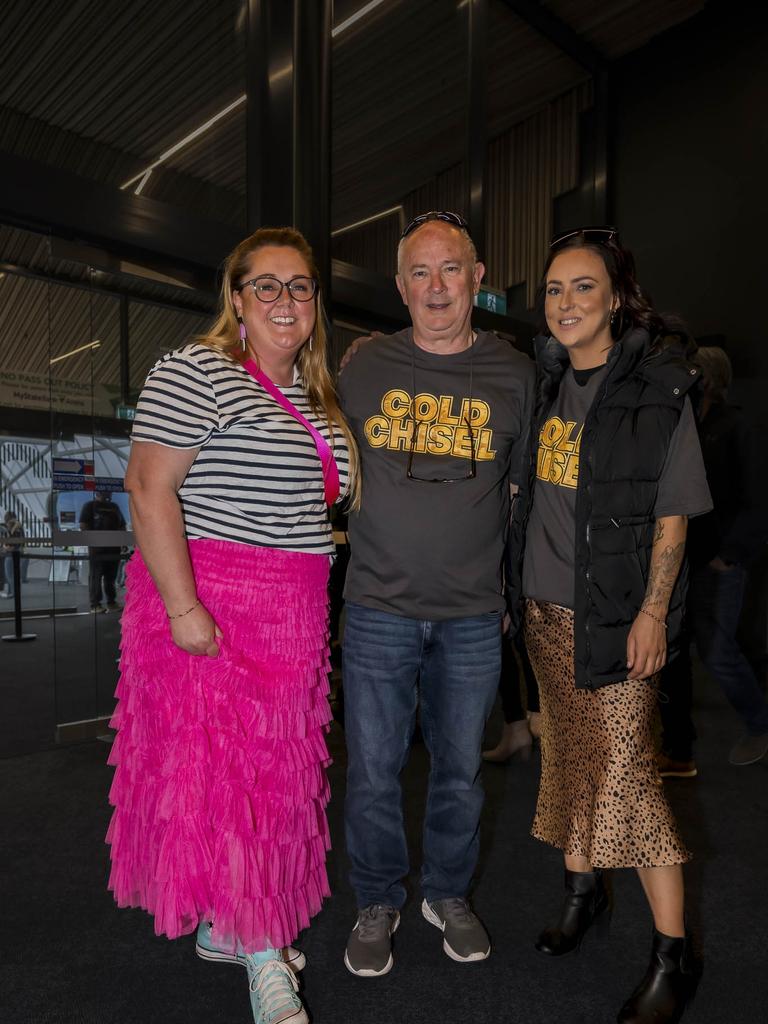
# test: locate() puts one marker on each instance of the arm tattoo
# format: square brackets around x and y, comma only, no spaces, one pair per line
[665,566]
[659,532]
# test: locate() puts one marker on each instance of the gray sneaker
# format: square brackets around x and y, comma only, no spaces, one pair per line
[749,749]
[464,938]
[369,947]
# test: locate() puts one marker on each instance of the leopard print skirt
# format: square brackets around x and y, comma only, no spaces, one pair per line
[600,795]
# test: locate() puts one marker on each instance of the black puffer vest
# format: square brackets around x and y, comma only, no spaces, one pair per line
[624,444]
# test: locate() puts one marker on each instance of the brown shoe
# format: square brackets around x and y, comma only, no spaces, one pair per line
[669,768]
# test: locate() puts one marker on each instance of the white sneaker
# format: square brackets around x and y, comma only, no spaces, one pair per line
[274,991]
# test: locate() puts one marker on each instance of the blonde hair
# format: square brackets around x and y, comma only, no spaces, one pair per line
[312,362]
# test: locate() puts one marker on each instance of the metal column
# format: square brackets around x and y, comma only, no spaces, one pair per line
[312,129]
[125,351]
[269,113]
[288,119]
[477,132]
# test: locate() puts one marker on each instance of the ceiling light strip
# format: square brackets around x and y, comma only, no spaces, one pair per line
[143,176]
[353,18]
[82,348]
[369,220]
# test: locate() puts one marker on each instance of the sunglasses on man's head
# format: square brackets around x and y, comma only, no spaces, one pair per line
[596,234]
[455,219]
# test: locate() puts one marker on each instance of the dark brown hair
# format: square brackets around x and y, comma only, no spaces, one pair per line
[635,308]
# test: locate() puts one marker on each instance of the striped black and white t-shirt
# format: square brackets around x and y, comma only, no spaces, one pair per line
[257,478]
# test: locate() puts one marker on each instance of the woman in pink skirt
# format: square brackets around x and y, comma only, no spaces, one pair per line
[220,788]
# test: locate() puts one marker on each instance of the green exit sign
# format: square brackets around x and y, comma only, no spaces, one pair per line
[492,300]
[126,412]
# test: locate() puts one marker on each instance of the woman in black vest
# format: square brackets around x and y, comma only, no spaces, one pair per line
[615,472]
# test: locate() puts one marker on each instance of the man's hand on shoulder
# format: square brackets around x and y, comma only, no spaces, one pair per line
[355,347]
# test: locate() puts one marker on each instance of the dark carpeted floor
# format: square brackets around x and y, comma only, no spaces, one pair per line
[67,956]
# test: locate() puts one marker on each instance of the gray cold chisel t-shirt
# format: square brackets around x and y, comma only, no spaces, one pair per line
[434,550]
[549,572]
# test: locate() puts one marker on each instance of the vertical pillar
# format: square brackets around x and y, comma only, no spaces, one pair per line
[125,358]
[602,211]
[288,123]
[312,133]
[269,113]
[477,134]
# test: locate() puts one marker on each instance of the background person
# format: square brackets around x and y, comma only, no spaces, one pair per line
[220,788]
[615,470]
[102,514]
[720,547]
[12,528]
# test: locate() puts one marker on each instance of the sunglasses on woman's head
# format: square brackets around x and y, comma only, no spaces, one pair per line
[455,219]
[596,234]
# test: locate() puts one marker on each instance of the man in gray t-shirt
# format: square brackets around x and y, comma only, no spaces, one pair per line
[440,415]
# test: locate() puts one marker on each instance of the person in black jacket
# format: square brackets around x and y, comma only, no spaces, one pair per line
[615,471]
[720,547]
[102,514]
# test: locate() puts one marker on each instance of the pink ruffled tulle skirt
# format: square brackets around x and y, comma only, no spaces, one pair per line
[220,789]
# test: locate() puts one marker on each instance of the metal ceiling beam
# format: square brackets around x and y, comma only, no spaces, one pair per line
[108,283]
[42,197]
[559,33]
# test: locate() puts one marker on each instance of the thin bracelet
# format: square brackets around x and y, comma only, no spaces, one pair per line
[650,615]
[182,614]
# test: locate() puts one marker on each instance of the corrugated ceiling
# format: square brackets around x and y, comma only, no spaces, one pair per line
[104,88]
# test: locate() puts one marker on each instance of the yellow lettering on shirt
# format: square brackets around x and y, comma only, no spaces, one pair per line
[400,433]
[377,431]
[441,425]
[557,460]
[396,404]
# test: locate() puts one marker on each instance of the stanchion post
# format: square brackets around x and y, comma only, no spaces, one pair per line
[17,635]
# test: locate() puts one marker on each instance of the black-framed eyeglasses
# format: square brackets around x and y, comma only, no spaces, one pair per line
[442,479]
[446,216]
[268,288]
[604,233]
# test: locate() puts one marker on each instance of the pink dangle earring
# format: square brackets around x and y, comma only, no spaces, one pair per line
[310,341]
[242,333]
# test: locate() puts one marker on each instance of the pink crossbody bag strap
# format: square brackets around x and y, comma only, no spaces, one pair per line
[330,469]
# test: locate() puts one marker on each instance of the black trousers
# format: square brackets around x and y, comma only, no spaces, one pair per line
[675,700]
[102,568]
[509,682]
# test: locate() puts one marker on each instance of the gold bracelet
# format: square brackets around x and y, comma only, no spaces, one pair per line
[656,618]
[182,614]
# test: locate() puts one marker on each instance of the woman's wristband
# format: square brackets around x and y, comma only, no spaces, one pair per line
[181,615]
[650,615]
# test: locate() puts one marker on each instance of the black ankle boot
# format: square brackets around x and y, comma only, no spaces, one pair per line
[669,984]
[586,901]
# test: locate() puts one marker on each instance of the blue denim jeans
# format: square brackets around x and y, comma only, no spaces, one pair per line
[392,663]
[714,607]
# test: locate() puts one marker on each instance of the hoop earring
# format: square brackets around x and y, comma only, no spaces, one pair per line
[310,341]
[242,333]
